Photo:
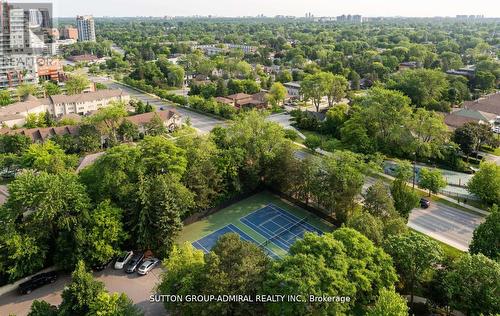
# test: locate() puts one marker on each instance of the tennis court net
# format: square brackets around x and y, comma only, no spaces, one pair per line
[284,230]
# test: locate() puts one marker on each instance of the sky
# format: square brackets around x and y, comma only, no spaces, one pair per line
[416,8]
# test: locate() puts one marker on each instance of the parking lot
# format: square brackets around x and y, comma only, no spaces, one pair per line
[138,288]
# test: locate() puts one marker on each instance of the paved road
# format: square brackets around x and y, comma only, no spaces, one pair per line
[447,224]
[199,121]
[138,288]
[442,222]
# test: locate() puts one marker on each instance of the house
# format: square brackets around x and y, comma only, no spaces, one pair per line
[460,117]
[469,72]
[408,65]
[484,111]
[239,100]
[293,90]
[86,58]
[40,135]
[171,120]
[59,105]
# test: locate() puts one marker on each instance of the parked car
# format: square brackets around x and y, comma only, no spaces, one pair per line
[148,265]
[37,281]
[135,262]
[101,266]
[424,203]
[123,259]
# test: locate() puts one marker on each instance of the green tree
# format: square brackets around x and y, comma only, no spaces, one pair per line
[5,98]
[335,119]
[162,156]
[486,239]
[312,142]
[128,131]
[369,225]
[389,303]
[432,180]
[473,285]
[338,181]
[203,175]
[185,271]
[405,198]
[42,308]
[162,201]
[26,89]
[429,132]
[414,255]
[336,87]
[232,266]
[89,138]
[14,144]
[277,94]
[103,233]
[314,87]
[108,120]
[51,88]
[484,81]
[78,296]
[26,255]
[155,126]
[423,86]
[48,157]
[486,183]
[378,200]
[76,84]
[342,263]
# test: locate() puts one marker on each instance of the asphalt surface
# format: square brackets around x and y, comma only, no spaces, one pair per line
[138,289]
[445,223]
[199,121]
[442,222]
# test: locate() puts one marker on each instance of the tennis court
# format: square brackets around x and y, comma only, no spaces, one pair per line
[208,242]
[278,226]
[251,219]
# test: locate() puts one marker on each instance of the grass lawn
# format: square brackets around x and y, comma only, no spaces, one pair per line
[233,213]
[448,250]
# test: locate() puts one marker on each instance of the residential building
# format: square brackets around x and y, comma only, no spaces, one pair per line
[239,100]
[70,32]
[51,70]
[293,90]
[408,65]
[59,105]
[171,120]
[86,28]
[485,110]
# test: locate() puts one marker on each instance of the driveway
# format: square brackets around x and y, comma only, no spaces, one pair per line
[138,288]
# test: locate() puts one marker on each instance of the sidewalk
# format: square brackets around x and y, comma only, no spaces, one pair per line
[446,198]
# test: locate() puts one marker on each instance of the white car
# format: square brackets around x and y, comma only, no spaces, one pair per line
[123,259]
[148,265]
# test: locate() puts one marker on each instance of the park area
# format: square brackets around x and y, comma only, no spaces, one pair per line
[263,219]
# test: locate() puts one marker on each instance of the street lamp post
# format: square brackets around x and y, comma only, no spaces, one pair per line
[414,168]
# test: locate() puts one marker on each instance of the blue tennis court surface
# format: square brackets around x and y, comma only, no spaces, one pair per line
[278,226]
[208,242]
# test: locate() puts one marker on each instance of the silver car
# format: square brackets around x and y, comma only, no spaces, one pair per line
[148,265]
[123,259]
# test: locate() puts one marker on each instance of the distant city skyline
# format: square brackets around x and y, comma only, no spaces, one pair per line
[233,8]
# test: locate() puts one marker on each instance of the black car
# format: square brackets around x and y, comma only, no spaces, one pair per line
[424,203]
[37,281]
[101,266]
[135,262]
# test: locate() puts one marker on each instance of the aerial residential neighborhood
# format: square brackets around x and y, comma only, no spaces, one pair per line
[236,158]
